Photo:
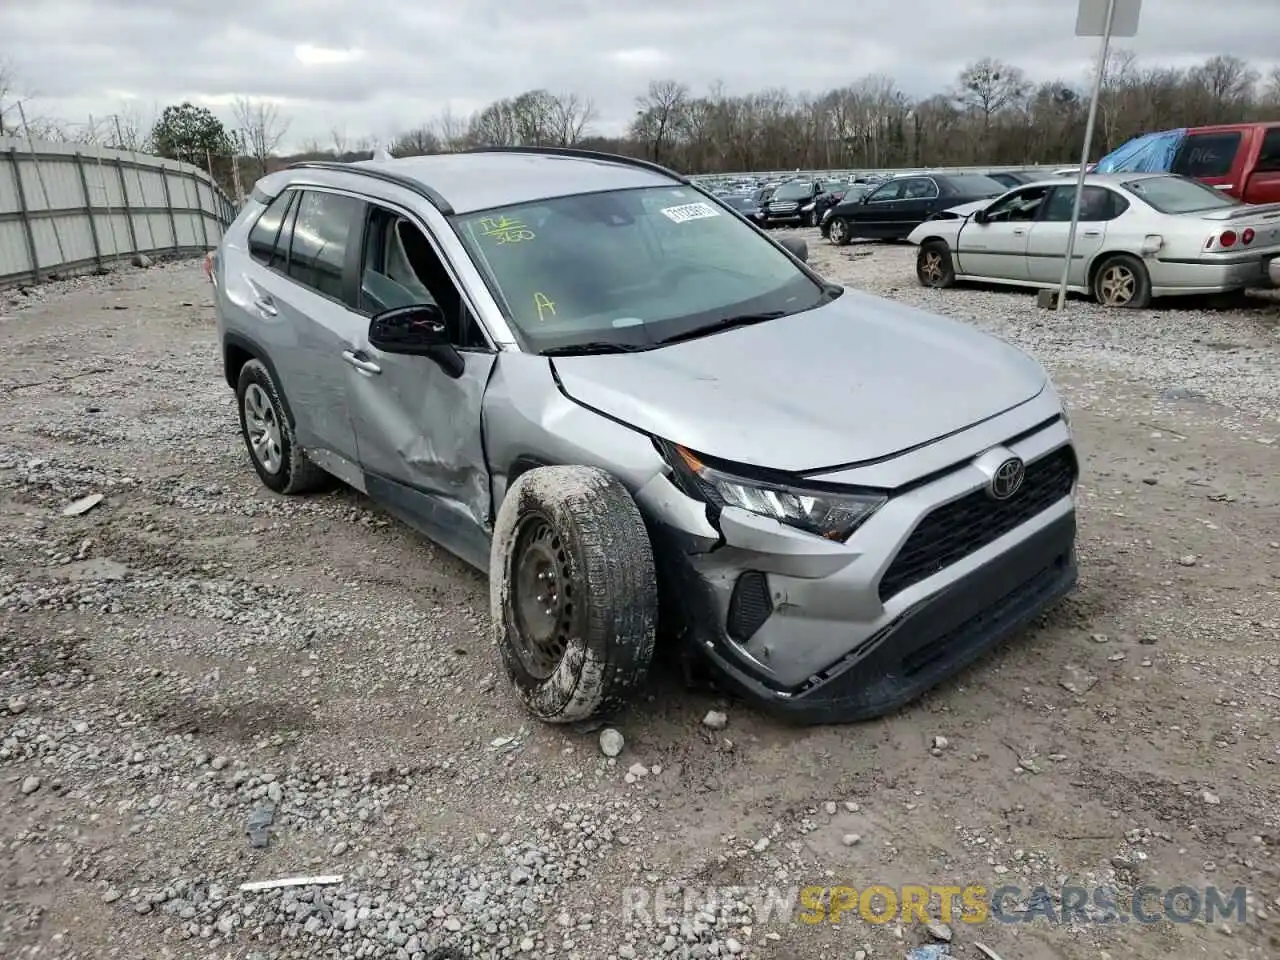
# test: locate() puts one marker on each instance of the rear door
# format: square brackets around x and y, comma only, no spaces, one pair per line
[1210,157]
[919,199]
[1047,241]
[301,287]
[998,248]
[1263,184]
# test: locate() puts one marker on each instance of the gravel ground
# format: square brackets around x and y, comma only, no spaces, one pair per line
[203,684]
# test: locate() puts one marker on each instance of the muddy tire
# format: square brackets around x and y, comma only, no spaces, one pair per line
[1122,281]
[934,267]
[268,435]
[573,593]
[838,232]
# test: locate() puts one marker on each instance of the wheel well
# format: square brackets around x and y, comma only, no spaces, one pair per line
[1102,258]
[234,357]
[934,240]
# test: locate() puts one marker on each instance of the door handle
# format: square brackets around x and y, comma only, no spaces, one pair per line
[360,363]
[1019,232]
[1092,233]
[266,306]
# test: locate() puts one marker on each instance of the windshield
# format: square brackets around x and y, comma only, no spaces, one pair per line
[793,191]
[741,202]
[1178,195]
[977,186]
[628,267]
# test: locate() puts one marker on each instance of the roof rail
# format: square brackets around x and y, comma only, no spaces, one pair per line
[386,176]
[586,155]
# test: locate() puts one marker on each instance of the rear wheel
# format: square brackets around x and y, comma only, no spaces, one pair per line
[934,267]
[839,232]
[1122,281]
[573,592]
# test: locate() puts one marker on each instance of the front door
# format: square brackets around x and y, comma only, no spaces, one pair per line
[1047,245]
[878,216]
[997,248]
[419,429]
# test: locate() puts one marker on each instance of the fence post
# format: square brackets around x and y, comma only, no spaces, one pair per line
[168,202]
[128,207]
[204,225]
[24,213]
[88,209]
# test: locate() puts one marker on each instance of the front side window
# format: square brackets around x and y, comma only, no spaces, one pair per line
[1179,195]
[890,191]
[629,267]
[1021,206]
[322,233]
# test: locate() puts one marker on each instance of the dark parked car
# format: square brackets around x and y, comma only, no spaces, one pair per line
[788,202]
[1016,178]
[746,205]
[894,209]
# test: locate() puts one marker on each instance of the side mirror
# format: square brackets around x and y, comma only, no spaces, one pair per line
[797,247]
[418,331]
[980,216]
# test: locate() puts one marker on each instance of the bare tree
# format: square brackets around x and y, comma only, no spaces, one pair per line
[261,128]
[570,116]
[8,99]
[416,143]
[989,86]
[660,115]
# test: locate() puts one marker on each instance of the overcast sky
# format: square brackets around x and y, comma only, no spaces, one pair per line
[377,66]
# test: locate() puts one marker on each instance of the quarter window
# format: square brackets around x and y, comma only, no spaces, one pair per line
[322,233]
[265,244]
[1206,155]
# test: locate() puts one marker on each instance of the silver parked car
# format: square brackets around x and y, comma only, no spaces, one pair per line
[1139,236]
[638,413]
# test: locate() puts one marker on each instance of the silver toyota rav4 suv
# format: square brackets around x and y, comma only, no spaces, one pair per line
[643,417]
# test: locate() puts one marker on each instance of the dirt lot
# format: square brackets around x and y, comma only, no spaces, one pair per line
[194,649]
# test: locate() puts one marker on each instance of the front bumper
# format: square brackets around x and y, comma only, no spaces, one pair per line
[826,632]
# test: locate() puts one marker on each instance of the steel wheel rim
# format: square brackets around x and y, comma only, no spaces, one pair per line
[837,229]
[1118,285]
[931,266]
[541,597]
[263,428]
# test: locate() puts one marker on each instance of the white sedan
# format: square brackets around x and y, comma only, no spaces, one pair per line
[1140,236]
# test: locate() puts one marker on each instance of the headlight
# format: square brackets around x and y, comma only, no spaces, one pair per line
[806,208]
[834,515]
[826,214]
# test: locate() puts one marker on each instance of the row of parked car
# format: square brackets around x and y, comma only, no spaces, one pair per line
[1140,235]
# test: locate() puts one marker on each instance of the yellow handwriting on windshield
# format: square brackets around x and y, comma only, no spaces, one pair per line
[544,305]
[506,229]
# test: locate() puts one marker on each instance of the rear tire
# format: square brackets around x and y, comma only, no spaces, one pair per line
[268,435]
[934,267]
[1122,281]
[838,232]
[573,592]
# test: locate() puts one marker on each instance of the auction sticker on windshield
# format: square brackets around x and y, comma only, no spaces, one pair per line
[690,211]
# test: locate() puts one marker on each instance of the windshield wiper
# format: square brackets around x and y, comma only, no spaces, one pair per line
[741,320]
[592,346]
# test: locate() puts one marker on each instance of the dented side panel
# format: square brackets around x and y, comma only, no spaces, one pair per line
[422,429]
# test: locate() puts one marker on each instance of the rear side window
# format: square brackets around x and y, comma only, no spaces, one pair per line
[325,227]
[265,244]
[1269,158]
[1097,204]
[1204,155]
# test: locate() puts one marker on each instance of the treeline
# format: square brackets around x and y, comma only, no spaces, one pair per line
[991,114]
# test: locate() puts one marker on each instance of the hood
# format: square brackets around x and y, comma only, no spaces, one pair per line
[857,379]
[964,209]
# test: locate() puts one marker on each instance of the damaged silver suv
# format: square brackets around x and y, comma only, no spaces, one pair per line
[639,414]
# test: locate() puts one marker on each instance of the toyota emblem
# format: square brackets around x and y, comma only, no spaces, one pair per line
[1007,480]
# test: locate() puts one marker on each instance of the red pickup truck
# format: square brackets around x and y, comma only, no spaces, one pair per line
[1242,159]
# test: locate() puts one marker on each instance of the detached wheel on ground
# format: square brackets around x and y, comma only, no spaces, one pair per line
[1122,281]
[934,267]
[268,434]
[573,592]
[838,232]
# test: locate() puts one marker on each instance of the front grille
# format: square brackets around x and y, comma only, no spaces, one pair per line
[953,531]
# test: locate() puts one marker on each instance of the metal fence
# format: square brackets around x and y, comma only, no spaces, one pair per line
[73,208]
